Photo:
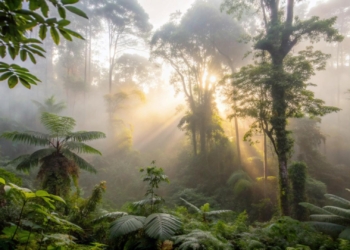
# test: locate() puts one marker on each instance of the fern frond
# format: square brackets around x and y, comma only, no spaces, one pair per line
[338,200]
[161,226]
[28,137]
[125,225]
[108,216]
[81,136]
[314,209]
[191,205]
[338,211]
[241,186]
[81,163]
[57,125]
[236,176]
[80,147]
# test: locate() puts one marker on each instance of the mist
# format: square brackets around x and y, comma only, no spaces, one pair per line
[184,86]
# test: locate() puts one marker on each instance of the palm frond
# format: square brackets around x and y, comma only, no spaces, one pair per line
[338,211]
[108,216]
[345,234]
[81,163]
[329,218]
[80,147]
[338,200]
[28,137]
[81,136]
[146,201]
[161,226]
[314,209]
[328,228]
[57,125]
[125,225]
[191,205]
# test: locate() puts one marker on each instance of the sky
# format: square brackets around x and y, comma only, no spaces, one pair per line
[159,10]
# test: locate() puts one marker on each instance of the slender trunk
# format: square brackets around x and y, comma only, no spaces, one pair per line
[238,143]
[194,140]
[202,140]
[265,164]
[19,220]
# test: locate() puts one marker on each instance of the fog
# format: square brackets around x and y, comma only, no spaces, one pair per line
[135,93]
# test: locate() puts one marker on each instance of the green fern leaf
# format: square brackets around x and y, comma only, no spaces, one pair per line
[338,211]
[81,163]
[338,200]
[80,147]
[313,208]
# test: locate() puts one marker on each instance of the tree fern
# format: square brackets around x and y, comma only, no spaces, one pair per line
[61,141]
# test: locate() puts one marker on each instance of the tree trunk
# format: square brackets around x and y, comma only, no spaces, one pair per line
[194,140]
[279,123]
[238,142]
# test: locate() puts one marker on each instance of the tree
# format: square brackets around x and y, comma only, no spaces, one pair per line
[58,161]
[17,21]
[192,50]
[280,33]
[127,22]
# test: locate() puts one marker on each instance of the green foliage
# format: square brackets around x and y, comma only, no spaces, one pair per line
[204,211]
[50,105]
[59,161]
[153,176]
[36,220]
[297,175]
[157,226]
[17,21]
[331,220]
[281,234]
[199,240]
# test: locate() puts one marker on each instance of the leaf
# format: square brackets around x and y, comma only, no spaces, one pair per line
[5,76]
[42,193]
[63,22]
[44,8]
[161,226]
[42,31]
[125,225]
[80,162]
[106,216]
[12,81]
[65,34]
[86,135]
[345,234]
[81,147]
[64,2]
[191,205]
[32,58]
[23,55]
[55,36]
[73,33]
[12,52]
[25,83]
[2,181]
[62,12]
[76,11]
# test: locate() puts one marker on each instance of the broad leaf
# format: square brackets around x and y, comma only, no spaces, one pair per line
[161,226]
[125,225]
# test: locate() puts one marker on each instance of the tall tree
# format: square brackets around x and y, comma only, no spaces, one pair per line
[127,25]
[198,51]
[280,33]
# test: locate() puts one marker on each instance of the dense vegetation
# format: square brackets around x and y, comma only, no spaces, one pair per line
[218,99]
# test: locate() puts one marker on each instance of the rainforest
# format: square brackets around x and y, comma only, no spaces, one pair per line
[174,124]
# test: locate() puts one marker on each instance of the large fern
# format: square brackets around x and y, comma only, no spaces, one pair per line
[331,220]
[60,143]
